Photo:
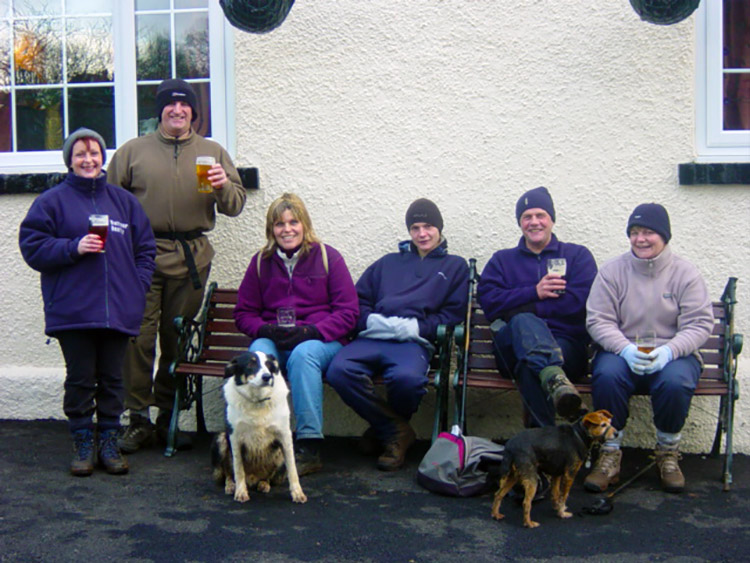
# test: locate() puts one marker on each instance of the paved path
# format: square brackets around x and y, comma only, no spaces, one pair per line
[170,510]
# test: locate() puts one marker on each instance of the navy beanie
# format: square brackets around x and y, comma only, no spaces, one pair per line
[652,216]
[175,89]
[536,198]
[79,134]
[424,211]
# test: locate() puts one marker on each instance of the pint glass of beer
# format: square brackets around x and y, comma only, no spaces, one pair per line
[202,165]
[646,341]
[99,225]
[557,266]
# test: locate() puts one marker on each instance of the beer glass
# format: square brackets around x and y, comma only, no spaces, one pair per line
[285,316]
[646,341]
[202,165]
[99,225]
[557,266]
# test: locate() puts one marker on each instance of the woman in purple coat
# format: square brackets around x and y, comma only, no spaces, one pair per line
[94,293]
[295,275]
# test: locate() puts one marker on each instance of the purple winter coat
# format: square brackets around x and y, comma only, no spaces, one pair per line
[328,301]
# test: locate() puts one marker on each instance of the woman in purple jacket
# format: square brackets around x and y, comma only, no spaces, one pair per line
[94,294]
[298,274]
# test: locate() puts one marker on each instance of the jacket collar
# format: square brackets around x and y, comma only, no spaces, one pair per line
[86,184]
[649,266]
[552,247]
[164,138]
[407,247]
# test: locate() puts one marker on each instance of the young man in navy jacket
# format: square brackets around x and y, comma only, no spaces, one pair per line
[539,318]
[403,297]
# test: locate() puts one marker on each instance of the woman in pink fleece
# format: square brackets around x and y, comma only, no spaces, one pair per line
[647,289]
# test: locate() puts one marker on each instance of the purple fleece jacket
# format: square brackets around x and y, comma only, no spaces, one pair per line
[509,282]
[93,290]
[327,301]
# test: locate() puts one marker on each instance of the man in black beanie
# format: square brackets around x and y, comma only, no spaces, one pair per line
[538,318]
[159,169]
[403,297]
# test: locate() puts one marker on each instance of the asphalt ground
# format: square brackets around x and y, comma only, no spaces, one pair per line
[169,509]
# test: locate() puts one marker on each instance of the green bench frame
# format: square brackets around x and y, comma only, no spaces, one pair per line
[208,342]
[476,365]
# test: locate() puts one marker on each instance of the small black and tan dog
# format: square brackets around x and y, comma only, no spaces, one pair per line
[256,449]
[558,451]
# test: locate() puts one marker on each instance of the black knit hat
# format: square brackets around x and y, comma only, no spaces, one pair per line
[175,89]
[536,198]
[79,134]
[652,216]
[424,211]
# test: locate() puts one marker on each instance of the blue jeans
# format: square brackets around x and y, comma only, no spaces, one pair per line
[523,348]
[304,367]
[671,389]
[404,367]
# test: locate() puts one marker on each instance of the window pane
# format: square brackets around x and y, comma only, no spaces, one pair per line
[153,48]
[192,45]
[202,125]
[4,8]
[148,119]
[38,51]
[5,130]
[39,114]
[37,7]
[4,54]
[88,6]
[736,57]
[151,4]
[180,4]
[90,50]
[93,108]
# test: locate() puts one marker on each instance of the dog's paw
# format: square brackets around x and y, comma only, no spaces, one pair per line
[299,496]
[564,514]
[531,524]
[241,495]
[229,487]
[264,486]
[498,516]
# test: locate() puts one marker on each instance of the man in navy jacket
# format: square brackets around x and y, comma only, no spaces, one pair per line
[538,318]
[403,297]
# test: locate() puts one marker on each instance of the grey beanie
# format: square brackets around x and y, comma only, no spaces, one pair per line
[79,134]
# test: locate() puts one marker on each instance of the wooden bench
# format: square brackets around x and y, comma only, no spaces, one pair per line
[476,367]
[209,341]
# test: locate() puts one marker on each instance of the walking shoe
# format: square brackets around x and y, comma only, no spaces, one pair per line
[564,395]
[182,440]
[394,453]
[109,454]
[369,444]
[672,479]
[139,434]
[82,464]
[307,456]
[606,471]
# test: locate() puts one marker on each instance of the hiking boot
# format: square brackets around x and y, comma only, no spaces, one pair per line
[564,395]
[307,456]
[369,444]
[82,464]
[109,454]
[606,471]
[139,434]
[182,440]
[672,479]
[394,453]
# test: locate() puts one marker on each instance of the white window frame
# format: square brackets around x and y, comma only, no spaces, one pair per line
[713,144]
[221,57]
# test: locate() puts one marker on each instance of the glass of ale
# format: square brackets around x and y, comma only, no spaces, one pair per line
[646,341]
[99,225]
[557,266]
[202,165]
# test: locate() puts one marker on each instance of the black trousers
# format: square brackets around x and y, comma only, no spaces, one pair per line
[93,380]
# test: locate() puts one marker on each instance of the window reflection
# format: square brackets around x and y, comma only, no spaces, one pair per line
[40,111]
[90,50]
[736,60]
[153,47]
[37,51]
[192,45]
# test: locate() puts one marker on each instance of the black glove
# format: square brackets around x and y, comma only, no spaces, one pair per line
[296,335]
[268,331]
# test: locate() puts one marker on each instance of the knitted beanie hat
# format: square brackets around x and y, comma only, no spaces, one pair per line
[536,198]
[175,89]
[424,211]
[652,216]
[77,135]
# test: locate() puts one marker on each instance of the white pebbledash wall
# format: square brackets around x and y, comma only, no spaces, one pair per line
[362,107]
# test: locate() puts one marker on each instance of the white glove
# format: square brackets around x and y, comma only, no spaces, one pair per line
[659,357]
[637,360]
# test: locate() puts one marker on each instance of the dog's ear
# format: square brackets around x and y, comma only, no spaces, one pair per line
[231,368]
[238,364]
[272,364]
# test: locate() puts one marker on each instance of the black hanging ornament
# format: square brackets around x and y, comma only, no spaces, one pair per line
[256,16]
[664,12]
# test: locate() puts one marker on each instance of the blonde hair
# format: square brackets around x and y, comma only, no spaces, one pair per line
[292,203]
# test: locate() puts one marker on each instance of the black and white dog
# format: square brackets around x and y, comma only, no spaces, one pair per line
[256,447]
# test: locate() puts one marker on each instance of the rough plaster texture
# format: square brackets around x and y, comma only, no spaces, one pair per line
[361,107]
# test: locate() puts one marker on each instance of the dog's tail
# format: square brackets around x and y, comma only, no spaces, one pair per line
[221,456]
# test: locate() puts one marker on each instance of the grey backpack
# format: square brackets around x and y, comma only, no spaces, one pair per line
[460,466]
